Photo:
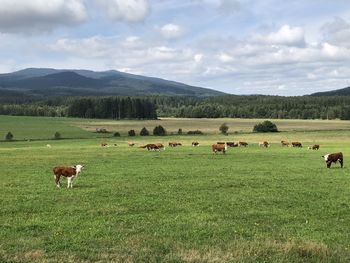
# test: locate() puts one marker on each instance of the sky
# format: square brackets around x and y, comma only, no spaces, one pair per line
[273,47]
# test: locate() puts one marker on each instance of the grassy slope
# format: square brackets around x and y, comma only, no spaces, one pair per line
[180,205]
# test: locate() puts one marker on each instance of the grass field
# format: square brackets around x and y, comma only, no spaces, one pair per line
[183,204]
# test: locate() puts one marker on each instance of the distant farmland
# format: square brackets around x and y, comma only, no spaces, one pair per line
[184,204]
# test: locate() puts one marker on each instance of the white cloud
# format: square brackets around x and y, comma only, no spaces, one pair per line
[337,32]
[38,15]
[127,10]
[171,31]
[286,35]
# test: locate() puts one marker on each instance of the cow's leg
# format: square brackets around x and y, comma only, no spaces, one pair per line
[69,181]
[57,180]
[329,164]
[341,163]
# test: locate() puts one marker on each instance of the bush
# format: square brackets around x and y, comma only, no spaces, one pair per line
[144,132]
[57,136]
[198,132]
[9,136]
[116,134]
[179,132]
[266,126]
[131,133]
[159,131]
[224,128]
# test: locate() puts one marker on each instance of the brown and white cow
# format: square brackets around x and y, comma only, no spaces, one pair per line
[264,144]
[104,144]
[244,144]
[160,146]
[314,147]
[284,143]
[195,143]
[70,172]
[333,158]
[297,144]
[219,148]
[174,144]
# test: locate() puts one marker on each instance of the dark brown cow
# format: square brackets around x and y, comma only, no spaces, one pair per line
[219,148]
[333,158]
[70,172]
[151,146]
[284,143]
[297,144]
[195,143]
[314,147]
[244,144]
[231,144]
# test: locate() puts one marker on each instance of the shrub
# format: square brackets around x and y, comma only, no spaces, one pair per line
[9,136]
[266,126]
[144,132]
[179,132]
[57,136]
[159,131]
[131,133]
[116,134]
[195,132]
[223,128]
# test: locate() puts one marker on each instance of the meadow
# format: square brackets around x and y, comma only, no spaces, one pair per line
[183,204]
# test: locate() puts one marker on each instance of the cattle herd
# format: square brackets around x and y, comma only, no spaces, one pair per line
[71,172]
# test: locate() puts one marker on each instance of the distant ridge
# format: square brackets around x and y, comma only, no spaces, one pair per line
[338,92]
[73,82]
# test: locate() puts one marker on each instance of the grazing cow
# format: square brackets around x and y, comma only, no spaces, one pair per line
[219,148]
[314,147]
[333,158]
[264,144]
[195,143]
[104,144]
[151,147]
[231,144]
[160,146]
[284,143]
[131,144]
[244,144]
[297,144]
[174,144]
[70,172]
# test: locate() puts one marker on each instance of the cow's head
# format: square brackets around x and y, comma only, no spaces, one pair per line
[79,168]
[325,157]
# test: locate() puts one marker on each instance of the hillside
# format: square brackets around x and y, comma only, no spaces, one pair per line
[338,92]
[52,82]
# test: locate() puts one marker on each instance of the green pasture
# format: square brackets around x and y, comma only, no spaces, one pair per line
[183,204]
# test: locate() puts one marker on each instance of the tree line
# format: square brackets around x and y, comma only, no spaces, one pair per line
[89,107]
[151,107]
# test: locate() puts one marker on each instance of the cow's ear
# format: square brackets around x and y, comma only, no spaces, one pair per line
[74,166]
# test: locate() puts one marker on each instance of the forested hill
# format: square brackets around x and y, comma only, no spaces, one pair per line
[338,92]
[44,82]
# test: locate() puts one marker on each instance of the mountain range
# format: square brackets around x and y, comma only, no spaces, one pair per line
[338,92]
[71,82]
